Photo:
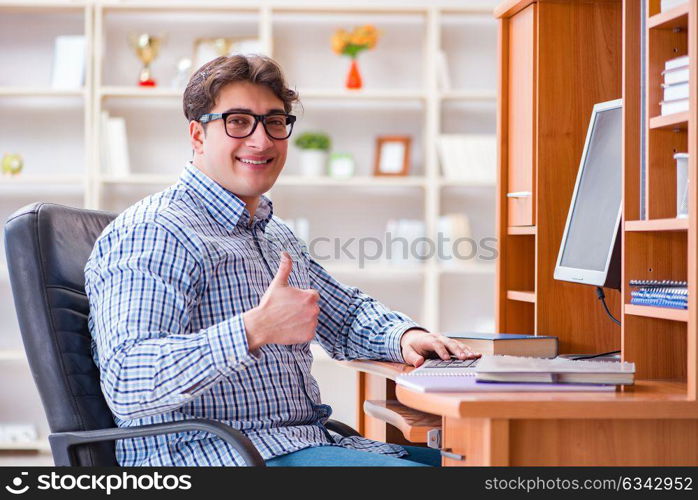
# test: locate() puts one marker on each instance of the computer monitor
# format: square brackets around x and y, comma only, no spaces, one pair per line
[590,248]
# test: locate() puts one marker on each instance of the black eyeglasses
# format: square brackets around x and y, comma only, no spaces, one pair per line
[240,124]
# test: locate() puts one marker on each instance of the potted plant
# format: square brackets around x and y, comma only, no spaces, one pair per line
[314,147]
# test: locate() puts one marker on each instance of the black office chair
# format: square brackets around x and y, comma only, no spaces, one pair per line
[47,247]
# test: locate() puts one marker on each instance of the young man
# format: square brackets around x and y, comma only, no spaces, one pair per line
[203,304]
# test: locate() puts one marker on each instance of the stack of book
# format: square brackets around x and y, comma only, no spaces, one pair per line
[671,4]
[454,231]
[512,369]
[675,86]
[663,293]
[405,242]
[468,158]
[504,373]
[114,146]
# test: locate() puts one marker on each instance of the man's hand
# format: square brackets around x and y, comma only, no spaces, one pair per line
[285,315]
[416,345]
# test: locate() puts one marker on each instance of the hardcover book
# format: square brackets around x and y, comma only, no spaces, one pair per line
[538,346]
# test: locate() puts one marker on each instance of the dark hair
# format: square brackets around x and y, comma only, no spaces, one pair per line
[205,85]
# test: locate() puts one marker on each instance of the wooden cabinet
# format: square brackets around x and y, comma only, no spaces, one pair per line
[557,59]
[521,61]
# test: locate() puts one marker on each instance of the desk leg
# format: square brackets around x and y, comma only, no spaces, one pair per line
[360,398]
[481,441]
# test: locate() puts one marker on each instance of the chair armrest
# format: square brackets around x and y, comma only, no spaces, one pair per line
[62,442]
[340,428]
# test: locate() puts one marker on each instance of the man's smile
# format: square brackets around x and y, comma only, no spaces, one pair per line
[254,162]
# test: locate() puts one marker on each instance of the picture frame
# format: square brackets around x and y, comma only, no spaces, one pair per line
[392,156]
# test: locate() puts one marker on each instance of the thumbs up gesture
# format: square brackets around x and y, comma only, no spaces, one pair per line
[285,314]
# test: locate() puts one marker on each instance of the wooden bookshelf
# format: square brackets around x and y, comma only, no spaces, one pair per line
[660,340]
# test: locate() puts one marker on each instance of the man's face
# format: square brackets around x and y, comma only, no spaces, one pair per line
[222,158]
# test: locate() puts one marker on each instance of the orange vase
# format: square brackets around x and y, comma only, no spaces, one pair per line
[354,76]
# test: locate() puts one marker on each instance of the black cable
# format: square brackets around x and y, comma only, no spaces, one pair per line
[602,298]
[591,356]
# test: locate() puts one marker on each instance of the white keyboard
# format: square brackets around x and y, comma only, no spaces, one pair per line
[450,363]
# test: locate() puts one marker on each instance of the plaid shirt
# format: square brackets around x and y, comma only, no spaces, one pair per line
[168,281]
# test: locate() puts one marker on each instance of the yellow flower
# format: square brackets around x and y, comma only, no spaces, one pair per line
[362,37]
[340,40]
[365,35]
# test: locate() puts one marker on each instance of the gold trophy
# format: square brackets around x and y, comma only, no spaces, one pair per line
[223,45]
[146,47]
[207,49]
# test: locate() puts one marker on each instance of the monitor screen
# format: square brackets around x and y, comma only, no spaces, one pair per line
[594,214]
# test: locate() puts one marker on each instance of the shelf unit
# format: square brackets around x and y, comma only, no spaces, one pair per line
[546,50]
[661,341]
[58,171]
[430,109]
[272,19]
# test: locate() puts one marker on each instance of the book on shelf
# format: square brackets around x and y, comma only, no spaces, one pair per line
[559,370]
[405,242]
[658,283]
[68,62]
[675,86]
[675,106]
[508,343]
[114,146]
[468,157]
[674,304]
[676,63]
[676,91]
[675,75]
[455,230]
[442,74]
[671,4]
[664,293]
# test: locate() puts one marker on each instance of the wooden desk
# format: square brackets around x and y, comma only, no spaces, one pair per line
[650,423]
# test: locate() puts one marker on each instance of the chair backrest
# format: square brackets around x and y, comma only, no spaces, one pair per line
[47,247]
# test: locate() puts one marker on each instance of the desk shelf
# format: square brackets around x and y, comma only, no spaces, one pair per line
[413,424]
